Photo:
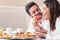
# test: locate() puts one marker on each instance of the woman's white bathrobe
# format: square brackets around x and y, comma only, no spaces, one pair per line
[56,33]
[46,25]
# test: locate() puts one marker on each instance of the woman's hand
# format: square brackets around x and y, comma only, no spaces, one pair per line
[39,34]
[43,30]
[40,29]
[37,28]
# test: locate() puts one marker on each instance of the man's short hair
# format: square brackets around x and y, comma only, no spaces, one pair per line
[29,5]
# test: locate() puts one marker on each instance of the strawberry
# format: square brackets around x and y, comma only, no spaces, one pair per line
[38,17]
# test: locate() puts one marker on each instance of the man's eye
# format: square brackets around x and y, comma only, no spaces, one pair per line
[33,12]
[37,9]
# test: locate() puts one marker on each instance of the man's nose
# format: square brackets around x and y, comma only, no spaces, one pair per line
[37,12]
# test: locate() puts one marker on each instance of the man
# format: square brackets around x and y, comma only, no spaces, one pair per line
[34,12]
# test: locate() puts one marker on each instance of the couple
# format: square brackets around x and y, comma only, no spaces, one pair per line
[45,21]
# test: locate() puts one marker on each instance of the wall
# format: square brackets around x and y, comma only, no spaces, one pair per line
[14,17]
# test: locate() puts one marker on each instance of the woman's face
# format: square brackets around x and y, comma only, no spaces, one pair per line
[45,11]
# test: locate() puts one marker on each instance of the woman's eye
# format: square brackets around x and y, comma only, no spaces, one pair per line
[44,8]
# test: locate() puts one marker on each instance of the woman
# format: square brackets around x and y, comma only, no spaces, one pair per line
[51,13]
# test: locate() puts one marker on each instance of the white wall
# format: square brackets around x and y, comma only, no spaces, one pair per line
[13,17]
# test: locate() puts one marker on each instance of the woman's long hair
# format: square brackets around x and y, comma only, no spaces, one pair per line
[53,6]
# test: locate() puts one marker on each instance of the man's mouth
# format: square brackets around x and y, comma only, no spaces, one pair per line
[38,17]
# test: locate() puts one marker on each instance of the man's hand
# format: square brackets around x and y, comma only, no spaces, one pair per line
[35,22]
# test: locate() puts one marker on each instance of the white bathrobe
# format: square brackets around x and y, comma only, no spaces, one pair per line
[56,33]
[46,25]
[31,27]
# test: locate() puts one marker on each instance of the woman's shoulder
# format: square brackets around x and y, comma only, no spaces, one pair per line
[58,22]
[58,19]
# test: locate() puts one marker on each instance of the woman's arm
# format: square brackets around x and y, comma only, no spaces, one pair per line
[41,35]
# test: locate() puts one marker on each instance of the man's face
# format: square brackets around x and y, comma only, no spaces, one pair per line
[34,11]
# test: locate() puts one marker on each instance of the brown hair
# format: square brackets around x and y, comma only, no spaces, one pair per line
[29,5]
[53,6]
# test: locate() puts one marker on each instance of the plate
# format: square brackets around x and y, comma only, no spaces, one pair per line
[23,37]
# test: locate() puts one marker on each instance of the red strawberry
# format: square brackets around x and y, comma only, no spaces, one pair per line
[38,17]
